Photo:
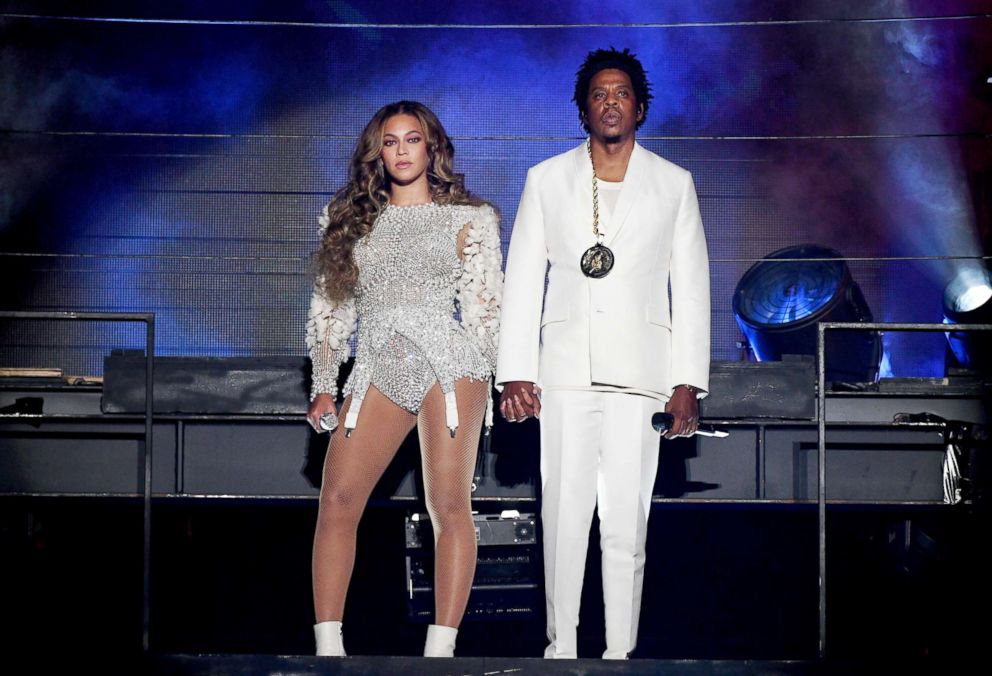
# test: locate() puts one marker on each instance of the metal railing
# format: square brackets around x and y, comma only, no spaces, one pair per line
[148,319]
[821,453]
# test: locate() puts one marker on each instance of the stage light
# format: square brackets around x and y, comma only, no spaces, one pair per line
[780,300]
[968,300]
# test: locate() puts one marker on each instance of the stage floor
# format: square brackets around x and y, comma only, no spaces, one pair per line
[272,665]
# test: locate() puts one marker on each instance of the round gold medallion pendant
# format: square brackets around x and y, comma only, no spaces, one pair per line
[597,261]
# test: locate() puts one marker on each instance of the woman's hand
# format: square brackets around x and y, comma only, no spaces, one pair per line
[321,404]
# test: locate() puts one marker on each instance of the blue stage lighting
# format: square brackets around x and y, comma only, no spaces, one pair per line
[780,300]
[968,300]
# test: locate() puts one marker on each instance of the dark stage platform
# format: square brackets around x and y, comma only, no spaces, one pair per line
[731,583]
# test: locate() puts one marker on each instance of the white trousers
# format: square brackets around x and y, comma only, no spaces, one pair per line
[598,450]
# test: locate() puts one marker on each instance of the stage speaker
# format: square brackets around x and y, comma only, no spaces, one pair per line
[507,572]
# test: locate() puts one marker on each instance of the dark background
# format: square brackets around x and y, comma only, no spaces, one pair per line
[173,157]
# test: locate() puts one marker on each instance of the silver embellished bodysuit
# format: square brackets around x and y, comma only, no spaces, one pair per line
[411,281]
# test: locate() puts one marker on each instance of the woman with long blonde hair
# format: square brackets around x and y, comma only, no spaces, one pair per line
[404,249]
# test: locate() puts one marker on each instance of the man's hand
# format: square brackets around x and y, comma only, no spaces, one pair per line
[685,408]
[321,404]
[520,401]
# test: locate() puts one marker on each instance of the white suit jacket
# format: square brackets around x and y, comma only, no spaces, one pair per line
[618,330]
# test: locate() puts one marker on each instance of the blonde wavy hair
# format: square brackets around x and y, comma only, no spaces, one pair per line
[352,212]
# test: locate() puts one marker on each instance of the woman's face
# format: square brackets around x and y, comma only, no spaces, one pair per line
[404,149]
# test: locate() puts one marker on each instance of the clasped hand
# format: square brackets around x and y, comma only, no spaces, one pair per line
[520,400]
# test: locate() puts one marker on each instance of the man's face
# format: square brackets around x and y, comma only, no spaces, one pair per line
[613,108]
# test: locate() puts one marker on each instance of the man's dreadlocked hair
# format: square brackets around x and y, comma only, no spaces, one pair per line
[601,59]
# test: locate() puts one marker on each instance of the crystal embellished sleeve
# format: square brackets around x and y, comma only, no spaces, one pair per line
[480,287]
[330,326]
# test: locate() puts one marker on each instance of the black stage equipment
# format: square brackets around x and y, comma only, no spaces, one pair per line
[32,406]
[507,572]
[206,385]
[780,300]
[771,389]
[968,300]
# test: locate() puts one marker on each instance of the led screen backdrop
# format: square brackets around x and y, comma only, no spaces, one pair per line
[173,157]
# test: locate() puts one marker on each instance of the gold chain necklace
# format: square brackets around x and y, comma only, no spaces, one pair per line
[597,261]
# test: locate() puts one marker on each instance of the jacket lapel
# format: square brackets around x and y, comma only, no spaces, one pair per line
[628,193]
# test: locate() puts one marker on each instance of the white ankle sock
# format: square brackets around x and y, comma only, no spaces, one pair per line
[440,641]
[329,641]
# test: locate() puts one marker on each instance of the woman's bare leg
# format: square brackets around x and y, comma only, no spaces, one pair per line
[448,468]
[351,469]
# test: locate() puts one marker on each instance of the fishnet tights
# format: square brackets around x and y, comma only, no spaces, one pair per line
[354,465]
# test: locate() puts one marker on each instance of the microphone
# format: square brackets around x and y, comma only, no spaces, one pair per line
[662,422]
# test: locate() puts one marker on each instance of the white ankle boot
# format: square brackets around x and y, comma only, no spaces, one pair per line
[440,641]
[329,642]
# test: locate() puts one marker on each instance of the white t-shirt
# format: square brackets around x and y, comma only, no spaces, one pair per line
[609,193]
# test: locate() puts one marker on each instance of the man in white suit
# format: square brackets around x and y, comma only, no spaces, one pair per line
[618,225]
